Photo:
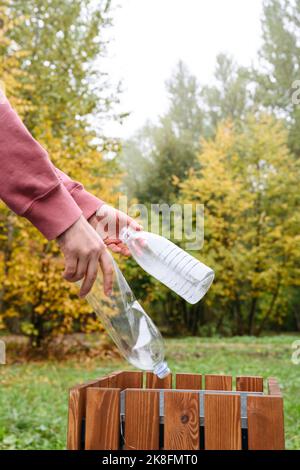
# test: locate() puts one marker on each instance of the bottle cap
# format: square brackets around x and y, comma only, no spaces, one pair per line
[162,370]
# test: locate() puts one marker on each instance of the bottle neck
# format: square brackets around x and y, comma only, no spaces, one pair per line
[126,234]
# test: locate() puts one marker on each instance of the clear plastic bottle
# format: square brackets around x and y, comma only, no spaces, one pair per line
[132,330]
[168,263]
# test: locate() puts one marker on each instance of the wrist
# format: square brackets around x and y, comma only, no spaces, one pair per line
[93,221]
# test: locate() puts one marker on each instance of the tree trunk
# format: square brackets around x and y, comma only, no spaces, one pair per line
[269,312]
[239,319]
[251,317]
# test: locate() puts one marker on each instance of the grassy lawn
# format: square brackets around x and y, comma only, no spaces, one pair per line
[33,397]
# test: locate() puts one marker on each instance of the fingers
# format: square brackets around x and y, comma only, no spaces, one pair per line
[70,268]
[87,268]
[82,267]
[117,247]
[126,221]
[141,241]
[136,247]
[122,249]
[82,247]
[90,277]
[107,269]
[133,224]
[123,220]
[76,268]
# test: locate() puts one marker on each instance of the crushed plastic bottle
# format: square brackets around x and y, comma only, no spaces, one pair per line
[132,330]
[168,263]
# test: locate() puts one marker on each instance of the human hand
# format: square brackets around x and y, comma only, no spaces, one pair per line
[108,222]
[83,249]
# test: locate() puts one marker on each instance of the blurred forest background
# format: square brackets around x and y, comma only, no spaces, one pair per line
[233,146]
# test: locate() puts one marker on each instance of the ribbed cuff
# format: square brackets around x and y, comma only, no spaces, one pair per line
[88,203]
[53,213]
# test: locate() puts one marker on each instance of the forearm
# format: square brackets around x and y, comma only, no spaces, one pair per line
[29,185]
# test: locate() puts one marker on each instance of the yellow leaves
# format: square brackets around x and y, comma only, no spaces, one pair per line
[32,287]
[40,309]
[10,313]
[10,71]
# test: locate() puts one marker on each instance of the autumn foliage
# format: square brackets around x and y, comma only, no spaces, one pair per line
[232,146]
[46,58]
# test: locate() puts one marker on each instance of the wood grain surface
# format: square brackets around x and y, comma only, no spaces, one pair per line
[218,382]
[265,423]
[76,413]
[249,384]
[189,381]
[182,427]
[222,416]
[128,379]
[152,381]
[141,419]
[102,419]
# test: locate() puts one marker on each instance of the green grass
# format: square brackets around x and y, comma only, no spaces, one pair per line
[33,397]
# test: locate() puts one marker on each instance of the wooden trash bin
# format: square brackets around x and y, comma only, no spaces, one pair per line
[200,412]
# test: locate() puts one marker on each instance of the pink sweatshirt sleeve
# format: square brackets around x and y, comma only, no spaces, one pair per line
[86,201]
[29,184]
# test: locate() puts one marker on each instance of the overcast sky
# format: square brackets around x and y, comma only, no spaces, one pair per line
[151,36]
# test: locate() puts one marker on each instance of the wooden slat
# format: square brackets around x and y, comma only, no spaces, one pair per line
[77,406]
[249,384]
[273,387]
[181,429]
[141,420]
[222,417]
[218,382]
[114,378]
[103,383]
[75,419]
[152,381]
[128,379]
[102,430]
[265,423]
[188,381]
